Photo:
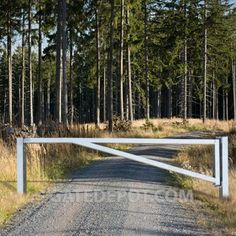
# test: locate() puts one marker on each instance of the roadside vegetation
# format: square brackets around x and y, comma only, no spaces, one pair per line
[49,163]
[200,158]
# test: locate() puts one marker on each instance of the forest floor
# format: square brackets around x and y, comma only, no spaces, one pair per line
[44,169]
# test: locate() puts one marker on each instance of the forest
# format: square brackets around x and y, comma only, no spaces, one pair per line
[84,61]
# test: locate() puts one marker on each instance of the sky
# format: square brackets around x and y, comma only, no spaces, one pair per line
[233,2]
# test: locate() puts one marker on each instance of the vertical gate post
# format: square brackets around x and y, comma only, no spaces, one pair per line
[224,190]
[216,168]
[21,166]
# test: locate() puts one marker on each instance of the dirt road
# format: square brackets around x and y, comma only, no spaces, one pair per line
[114,196]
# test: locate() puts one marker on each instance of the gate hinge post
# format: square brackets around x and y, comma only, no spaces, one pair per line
[224,189]
[21,166]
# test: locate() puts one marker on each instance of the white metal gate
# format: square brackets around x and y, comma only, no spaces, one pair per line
[219,178]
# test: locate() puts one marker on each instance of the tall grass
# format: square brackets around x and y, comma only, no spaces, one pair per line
[200,158]
[45,163]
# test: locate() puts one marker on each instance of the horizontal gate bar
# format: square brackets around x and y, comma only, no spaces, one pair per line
[146,161]
[120,140]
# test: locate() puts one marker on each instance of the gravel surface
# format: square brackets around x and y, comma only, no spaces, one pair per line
[114,196]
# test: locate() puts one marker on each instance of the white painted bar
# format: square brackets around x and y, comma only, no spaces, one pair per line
[217,162]
[121,140]
[146,161]
[21,167]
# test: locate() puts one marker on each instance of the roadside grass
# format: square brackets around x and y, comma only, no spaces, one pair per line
[48,163]
[200,158]
[45,164]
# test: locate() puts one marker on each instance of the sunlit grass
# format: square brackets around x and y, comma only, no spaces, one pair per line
[200,158]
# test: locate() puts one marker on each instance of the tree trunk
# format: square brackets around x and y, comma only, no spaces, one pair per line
[127,100]
[104,93]
[185,79]
[48,98]
[41,104]
[226,102]
[130,87]
[129,74]
[185,82]
[30,65]
[139,100]
[223,105]
[9,64]
[110,69]
[146,61]
[98,100]
[71,80]
[205,65]
[234,87]
[217,104]
[122,61]
[214,108]
[170,102]
[58,64]
[190,95]
[227,106]
[22,106]
[64,78]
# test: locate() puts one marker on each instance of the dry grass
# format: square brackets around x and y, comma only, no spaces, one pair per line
[224,210]
[44,164]
[49,162]
[191,124]
[9,200]
[205,191]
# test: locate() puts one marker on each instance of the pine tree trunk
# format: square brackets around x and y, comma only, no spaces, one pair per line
[185,87]
[223,105]
[159,103]
[9,64]
[139,113]
[170,103]
[64,60]
[98,100]
[190,96]
[30,65]
[205,66]
[130,87]
[185,80]
[48,98]
[214,98]
[146,61]
[234,87]
[127,100]
[58,65]
[122,61]
[104,93]
[71,80]
[227,106]
[110,69]
[226,102]
[22,106]
[41,104]
[217,104]
[129,75]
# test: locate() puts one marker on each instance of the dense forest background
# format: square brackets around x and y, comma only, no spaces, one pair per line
[89,60]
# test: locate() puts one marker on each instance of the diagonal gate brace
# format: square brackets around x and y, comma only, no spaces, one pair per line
[146,161]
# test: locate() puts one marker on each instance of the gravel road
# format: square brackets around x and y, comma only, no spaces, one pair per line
[113,196]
